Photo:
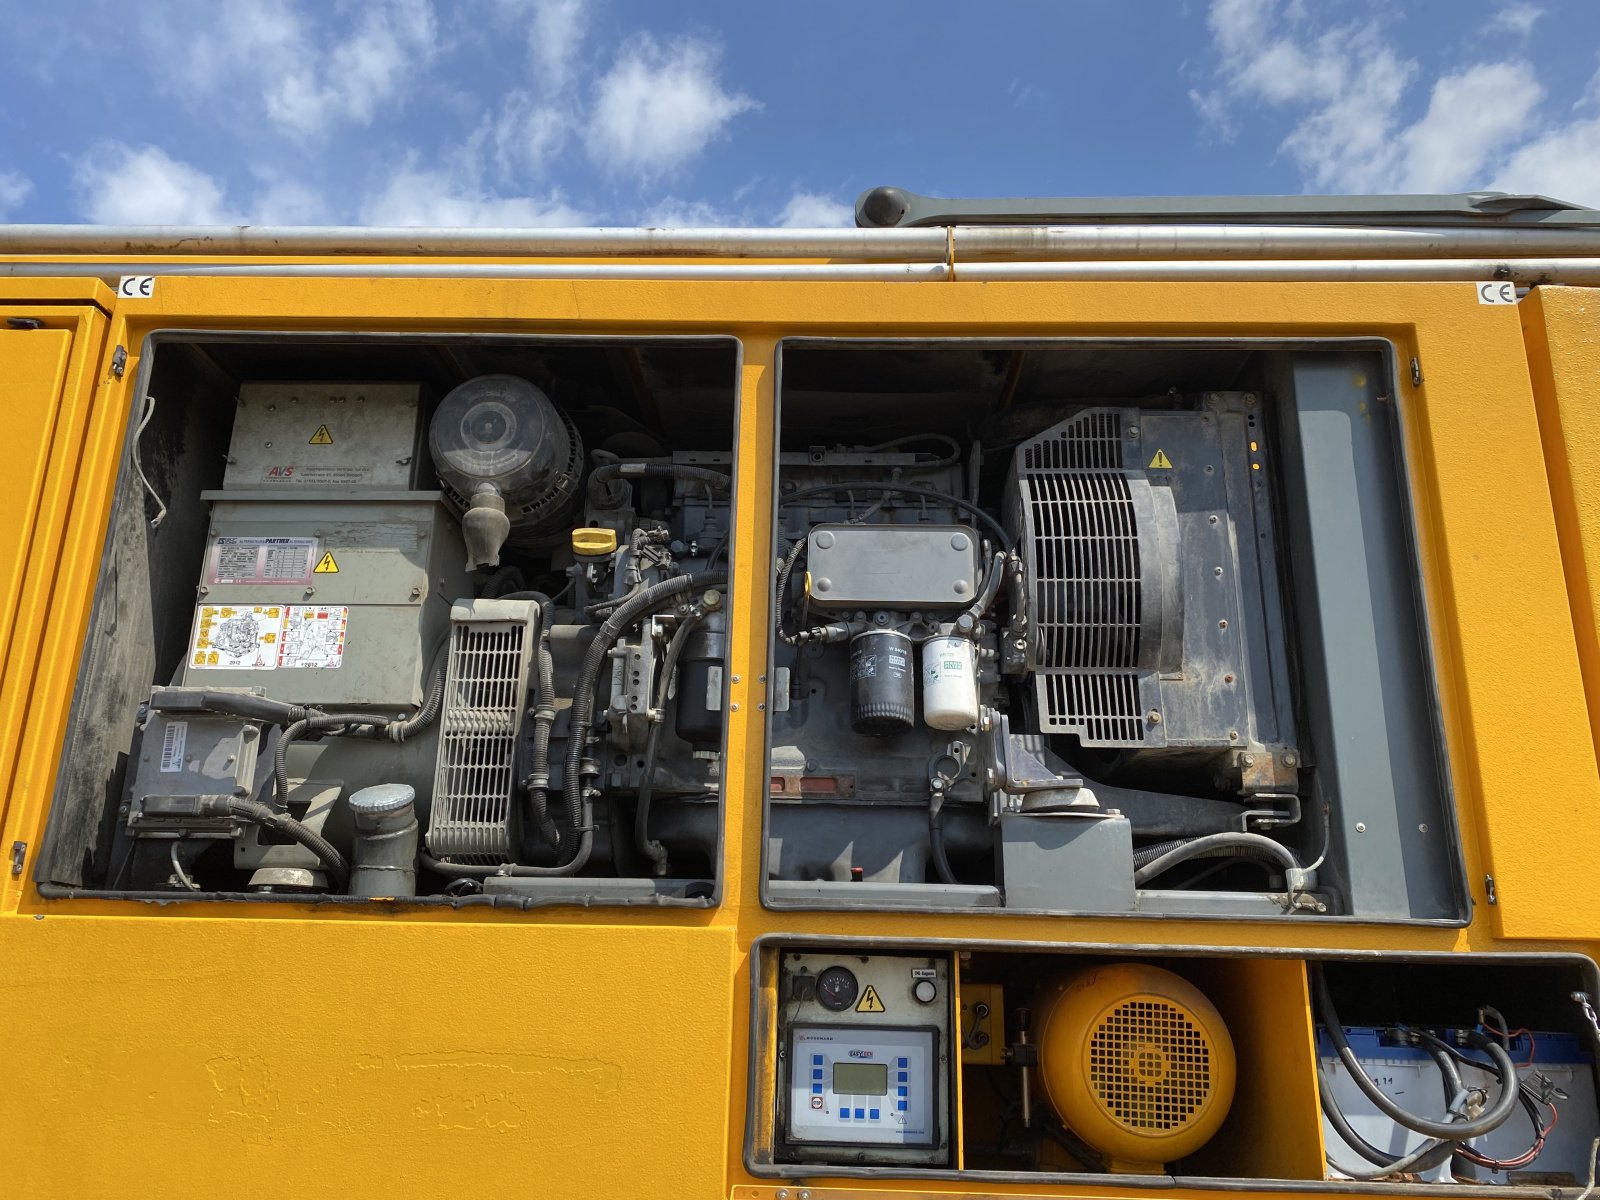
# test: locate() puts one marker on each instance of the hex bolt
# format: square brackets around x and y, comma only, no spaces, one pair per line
[1153,716]
[1248,760]
[1290,759]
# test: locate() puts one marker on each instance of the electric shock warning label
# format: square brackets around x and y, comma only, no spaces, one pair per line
[264,637]
[262,559]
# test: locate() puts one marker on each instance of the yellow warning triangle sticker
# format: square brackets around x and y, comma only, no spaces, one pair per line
[1159,461]
[321,437]
[870,1002]
[326,565]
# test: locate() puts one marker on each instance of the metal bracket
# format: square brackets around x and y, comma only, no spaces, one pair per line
[19,855]
[119,361]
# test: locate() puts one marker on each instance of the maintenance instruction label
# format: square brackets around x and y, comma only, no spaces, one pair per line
[264,637]
[262,559]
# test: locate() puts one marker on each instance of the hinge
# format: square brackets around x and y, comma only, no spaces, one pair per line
[119,361]
[1416,373]
[24,323]
[19,854]
[1488,890]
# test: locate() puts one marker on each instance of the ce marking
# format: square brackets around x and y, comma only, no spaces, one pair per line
[136,287]
[1497,293]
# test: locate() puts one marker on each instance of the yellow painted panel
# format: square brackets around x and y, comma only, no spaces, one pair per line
[214,1058]
[34,363]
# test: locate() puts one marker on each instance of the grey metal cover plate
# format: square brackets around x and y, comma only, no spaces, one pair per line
[892,566]
[324,435]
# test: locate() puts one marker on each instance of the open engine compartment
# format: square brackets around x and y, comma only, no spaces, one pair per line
[401,617]
[1085,627]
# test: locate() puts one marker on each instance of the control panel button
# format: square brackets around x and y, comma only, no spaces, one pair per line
[925,990]
[873,1114]
[861,1114]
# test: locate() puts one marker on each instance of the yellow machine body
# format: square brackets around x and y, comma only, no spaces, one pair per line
[322,1050]
[1137,1062]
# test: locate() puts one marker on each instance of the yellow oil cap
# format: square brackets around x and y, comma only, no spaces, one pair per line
[593,543]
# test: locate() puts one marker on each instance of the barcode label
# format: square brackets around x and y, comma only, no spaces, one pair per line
[173,742]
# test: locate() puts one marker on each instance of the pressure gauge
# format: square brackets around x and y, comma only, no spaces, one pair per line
[837,988]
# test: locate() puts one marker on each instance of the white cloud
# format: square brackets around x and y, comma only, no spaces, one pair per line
[1346,87]
[555,35]
[416,196]
[119,184]
[1517,19]
[14,189]
[289,202]
[1450,146]
[351,80]
[527,133]
[1563,160]
[675,213]
[659,106]
[808,210]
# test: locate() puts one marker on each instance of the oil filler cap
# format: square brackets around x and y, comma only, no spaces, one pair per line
[594,543]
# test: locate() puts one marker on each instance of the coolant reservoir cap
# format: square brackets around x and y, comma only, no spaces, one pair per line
[383,797]
[594,543]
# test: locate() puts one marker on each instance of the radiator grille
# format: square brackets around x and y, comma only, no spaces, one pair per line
[485,687]
[1100,707]
[1091,442]
[1086,570]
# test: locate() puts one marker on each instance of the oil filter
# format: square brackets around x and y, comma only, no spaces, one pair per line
[949,683]
[883,689]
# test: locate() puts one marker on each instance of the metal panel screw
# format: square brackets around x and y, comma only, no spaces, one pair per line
[733,708]
[1361,826]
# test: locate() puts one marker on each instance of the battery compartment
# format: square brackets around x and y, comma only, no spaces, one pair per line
[1155,1040]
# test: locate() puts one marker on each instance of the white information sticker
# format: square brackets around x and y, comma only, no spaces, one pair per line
[136,287]
[313,635]
[262,559]
[236,637]
[1499,292]
[174,740]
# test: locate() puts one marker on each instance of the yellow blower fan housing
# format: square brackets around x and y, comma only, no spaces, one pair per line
[1136,1062]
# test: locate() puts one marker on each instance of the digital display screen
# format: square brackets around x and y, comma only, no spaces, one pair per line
[860,1079]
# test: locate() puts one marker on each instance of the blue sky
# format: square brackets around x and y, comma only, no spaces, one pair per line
[624,112]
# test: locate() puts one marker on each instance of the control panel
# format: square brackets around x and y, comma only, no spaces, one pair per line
[864,1058]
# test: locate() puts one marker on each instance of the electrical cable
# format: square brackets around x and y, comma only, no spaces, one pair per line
[1224,845]
[1486,1122]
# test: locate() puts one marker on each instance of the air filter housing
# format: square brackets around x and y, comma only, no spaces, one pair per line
[502,432]
[1136,1062]
[1154,619]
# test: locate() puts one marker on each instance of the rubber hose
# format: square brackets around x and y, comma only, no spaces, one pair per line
[312,724]
[544,602]
[1487,1122]
[653,850]
[1149,854]
[583,701]
[399,731]
[989,523]
[989,590]
[1252,845]
[260,814]
[1353,1139]
[544,716]
[941,860]
[491,586]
